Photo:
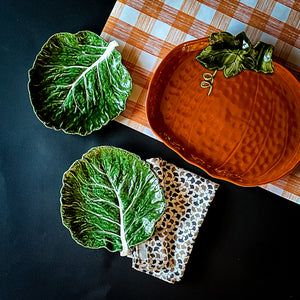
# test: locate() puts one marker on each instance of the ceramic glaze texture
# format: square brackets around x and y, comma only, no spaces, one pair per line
[246,131]
[78,83]
[111,198]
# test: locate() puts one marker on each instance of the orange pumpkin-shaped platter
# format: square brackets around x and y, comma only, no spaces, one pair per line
[247,131]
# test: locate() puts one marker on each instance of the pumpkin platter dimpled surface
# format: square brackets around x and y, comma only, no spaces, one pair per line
[247,131]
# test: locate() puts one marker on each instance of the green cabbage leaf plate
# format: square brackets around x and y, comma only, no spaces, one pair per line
[111,198]
[78,83]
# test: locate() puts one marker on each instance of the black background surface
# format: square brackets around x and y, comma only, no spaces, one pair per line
[247,247]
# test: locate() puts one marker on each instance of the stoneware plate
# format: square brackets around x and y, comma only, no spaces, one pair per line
[247,131]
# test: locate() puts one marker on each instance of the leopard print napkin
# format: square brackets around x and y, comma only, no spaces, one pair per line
[188,197]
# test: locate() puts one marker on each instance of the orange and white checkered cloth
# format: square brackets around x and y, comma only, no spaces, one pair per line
[147,30]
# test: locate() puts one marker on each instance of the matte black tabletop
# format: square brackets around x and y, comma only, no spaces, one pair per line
[247,247]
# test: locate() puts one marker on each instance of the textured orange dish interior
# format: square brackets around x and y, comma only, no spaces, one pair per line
[247,131]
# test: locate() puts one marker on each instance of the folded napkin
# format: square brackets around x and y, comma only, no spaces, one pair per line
[188,197]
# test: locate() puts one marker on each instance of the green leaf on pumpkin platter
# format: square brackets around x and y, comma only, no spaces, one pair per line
[232,54]
[78,83]
[111,198]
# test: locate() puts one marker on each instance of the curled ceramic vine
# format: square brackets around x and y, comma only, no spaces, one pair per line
[208,81]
